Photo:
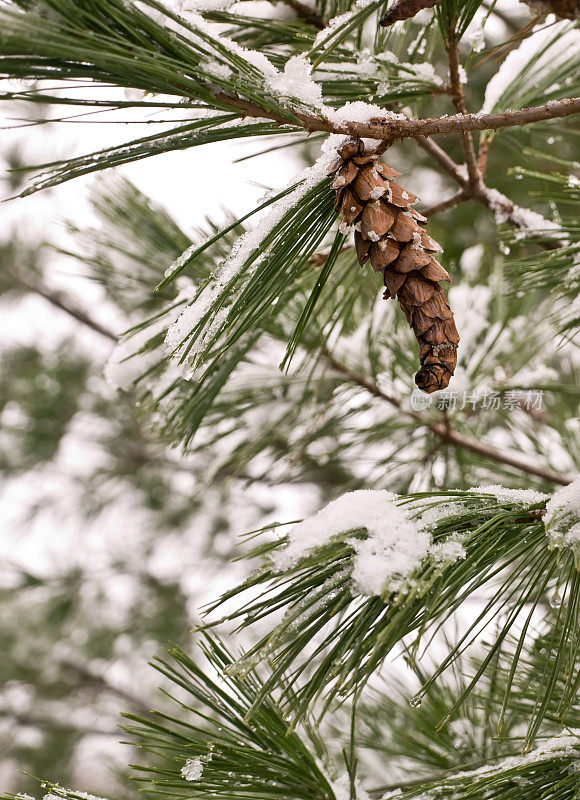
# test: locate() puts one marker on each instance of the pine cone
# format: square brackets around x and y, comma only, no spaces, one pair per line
[387,232]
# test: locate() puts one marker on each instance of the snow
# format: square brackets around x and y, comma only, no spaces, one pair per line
[518,61]
[475,33]
[439,510]
[193,769]
[333,25]
[85,795]
[562,518]
[390,553]
[506,210]
[296,82]
[215,69]
[272,215]
[184,6]
[361,112]
[557,746]
[364,67]
[448,551]
[524,497]
[364,508]
[189,318]
[397,542]
[425,71]
[422,70]
[262,9]
[251,57]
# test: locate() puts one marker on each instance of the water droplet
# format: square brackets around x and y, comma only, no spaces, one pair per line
[415,702]
[556,600]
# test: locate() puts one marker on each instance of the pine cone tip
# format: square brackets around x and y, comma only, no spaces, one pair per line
[433,377]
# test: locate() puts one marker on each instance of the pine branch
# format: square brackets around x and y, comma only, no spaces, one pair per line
[329,579]
[444,432]
[70,306]
[393,130]
[401,129]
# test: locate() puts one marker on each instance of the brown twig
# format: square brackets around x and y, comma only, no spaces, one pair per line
[444,432]
[482,155]
[445,161]
[458,98]
[444,205]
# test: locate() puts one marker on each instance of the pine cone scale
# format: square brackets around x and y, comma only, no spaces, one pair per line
[389,234]
[382,256]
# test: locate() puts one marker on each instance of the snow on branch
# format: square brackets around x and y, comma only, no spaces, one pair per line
[527,222]
[295,89]
[399,537]
[396,545]
[514,769]
[562,519]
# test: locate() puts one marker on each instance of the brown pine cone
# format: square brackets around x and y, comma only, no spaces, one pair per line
[387,231]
